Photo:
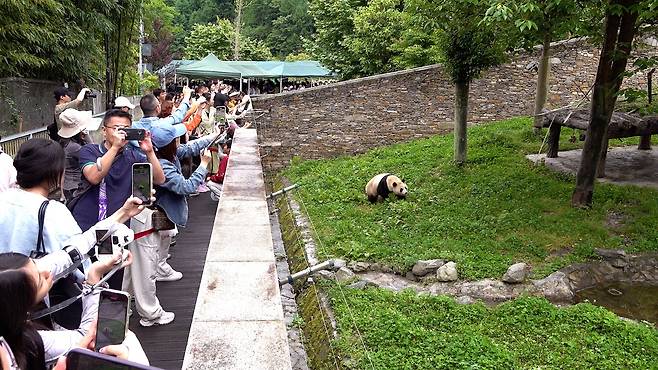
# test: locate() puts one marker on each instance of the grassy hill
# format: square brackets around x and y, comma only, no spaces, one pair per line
[496,210]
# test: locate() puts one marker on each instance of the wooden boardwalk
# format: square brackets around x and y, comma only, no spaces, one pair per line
[165,345]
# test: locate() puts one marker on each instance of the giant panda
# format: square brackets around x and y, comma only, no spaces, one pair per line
[380,186]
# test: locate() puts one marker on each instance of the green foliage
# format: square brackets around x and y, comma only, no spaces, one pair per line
[281,24]
[334,23]
[409,331]
[50,39]
[468,45]
[496,210]
[535,19]
[218,38]
[377,29]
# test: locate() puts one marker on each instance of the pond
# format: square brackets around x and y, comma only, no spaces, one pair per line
[635,301]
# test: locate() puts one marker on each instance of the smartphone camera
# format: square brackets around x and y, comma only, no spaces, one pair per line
[134,133]
[90,94]
[142,182]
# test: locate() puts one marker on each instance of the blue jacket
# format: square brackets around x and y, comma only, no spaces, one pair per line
[176,117]
[171,196]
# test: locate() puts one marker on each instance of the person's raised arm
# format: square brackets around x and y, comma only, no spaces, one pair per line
[147,147]
[95,172]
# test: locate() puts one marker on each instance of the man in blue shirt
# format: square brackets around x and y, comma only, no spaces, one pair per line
[151,108]
[107,167]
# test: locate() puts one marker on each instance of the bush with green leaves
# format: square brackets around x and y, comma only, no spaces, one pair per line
[410,331]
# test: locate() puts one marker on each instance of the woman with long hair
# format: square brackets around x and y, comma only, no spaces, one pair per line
[24,282]
[40,167]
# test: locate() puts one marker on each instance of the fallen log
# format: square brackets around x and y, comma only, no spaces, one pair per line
[621,124]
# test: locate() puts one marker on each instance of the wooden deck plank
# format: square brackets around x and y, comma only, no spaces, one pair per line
[165,345]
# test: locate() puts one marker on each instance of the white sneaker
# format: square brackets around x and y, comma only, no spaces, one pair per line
[164,319]
[174,276]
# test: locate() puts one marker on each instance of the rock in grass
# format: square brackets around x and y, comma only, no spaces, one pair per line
[517,273]
[555,287]
[338,263]
[359,266]
[344,274]
[361,284]
[447,272]
[324,274]
[424,267]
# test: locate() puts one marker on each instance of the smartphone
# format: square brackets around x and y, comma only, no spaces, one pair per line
[104,249]
[112,321]
[82,359]
[134,133]
[142,182]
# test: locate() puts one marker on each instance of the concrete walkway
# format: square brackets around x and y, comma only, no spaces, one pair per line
[238,319]
[624,165]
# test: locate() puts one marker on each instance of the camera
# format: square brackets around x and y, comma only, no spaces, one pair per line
[90,94]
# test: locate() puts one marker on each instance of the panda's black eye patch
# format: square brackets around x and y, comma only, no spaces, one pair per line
[395,184]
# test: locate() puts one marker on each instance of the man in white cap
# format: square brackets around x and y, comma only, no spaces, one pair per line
[73,134]
[124,104]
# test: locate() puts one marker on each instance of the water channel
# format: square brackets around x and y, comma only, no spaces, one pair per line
[635,301]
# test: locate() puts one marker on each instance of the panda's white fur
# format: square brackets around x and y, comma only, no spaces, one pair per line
[380,186]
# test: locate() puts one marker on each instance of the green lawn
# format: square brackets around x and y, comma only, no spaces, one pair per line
[497,210]
[409,331]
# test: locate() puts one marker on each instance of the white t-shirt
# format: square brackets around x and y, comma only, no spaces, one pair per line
[7,172]
[19,223]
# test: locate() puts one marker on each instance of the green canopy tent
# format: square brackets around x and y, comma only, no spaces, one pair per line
[209,67]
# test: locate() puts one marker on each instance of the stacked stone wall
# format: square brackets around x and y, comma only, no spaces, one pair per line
[354,116]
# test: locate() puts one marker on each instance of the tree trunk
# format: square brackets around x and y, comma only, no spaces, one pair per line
[461,114]
[238,26]
[542,81]
[619,32]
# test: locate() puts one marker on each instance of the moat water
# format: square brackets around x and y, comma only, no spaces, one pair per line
[634,301]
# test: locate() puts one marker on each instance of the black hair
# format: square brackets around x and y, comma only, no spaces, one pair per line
[61,91]
[39,160]
[149,104]
[157,92]
[170,96]
[18,293]
[116,113]
[168,151]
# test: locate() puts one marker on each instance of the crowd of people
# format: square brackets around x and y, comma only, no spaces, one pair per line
[61,197]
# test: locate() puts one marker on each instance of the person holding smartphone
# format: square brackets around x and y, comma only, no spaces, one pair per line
[24,282]
[107,169]
[171,196]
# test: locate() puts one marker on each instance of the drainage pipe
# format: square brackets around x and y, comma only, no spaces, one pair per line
[284,190]
[321,266]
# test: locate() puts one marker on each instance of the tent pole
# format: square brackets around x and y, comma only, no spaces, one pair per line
[240,82]
[174,79]
[248,85]
[281,85]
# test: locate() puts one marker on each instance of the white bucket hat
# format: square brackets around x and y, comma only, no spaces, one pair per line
[122,101]
[74,121]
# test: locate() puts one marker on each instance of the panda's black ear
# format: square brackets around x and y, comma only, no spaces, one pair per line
[403,181]
[395,184]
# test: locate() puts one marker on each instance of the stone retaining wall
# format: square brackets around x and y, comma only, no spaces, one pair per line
[353,116]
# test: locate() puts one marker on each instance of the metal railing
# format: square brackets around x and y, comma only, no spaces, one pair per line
[11,143]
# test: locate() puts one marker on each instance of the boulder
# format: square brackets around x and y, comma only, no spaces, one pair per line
[616,257]
[424,267]
[447,272]
[344,274]
[555,287]
[517,273]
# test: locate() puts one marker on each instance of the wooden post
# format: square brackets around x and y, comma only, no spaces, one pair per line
[600,169]
[645,143]
[553,140]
